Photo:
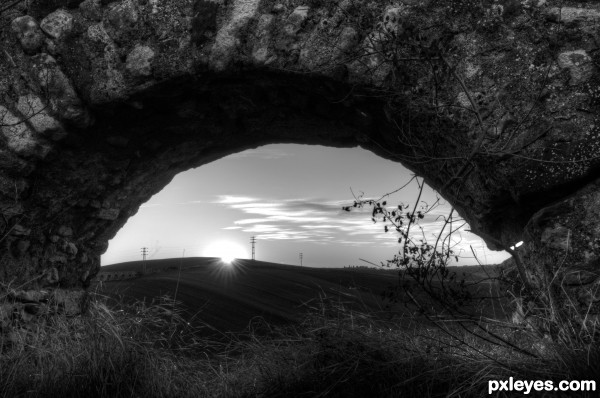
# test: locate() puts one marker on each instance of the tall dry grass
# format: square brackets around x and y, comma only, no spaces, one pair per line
[149,350]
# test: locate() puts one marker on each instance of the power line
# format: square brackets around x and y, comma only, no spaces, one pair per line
[253,241]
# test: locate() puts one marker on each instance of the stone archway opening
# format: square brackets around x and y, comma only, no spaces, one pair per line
[290,198]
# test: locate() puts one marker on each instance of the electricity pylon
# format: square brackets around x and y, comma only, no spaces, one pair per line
[253,242]
[144,254]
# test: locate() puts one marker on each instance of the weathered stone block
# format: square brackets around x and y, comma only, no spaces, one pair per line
[121,19]
[392,21]
[63,98]
[70,249]
[296,19]
[91,9]
[226,39]
[97,33]
[19,137]
[139,61]
[36,114]
[348,39]
[260,52]
[57,24]
[29,33]
[579,64]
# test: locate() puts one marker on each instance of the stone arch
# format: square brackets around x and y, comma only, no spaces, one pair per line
[106,103]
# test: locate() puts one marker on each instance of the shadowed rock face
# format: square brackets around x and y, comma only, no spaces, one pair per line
[103,102]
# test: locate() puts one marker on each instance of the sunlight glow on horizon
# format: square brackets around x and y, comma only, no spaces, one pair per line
[226,250]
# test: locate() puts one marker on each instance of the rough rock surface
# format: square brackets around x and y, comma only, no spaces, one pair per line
[496,104]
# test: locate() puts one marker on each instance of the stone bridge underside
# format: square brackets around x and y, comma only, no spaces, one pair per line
[103,102]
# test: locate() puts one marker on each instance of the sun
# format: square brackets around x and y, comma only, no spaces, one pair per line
[226,250]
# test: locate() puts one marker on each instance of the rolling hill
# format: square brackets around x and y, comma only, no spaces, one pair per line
[228,297]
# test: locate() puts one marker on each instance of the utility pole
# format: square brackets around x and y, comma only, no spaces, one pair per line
[144,254]
[301,255]
[253,241]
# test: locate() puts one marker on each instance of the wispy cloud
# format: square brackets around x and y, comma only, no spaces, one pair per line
[319,221]
[251,221]
[228,199]
[324,222]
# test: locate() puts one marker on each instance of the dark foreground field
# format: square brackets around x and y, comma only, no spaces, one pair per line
[314,332]
[228,297]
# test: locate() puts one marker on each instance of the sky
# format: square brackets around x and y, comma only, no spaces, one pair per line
[290,198]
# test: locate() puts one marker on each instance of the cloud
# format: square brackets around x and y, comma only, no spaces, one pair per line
[227,199]
[251,221]
[260,228]
[322,226]
[311,219]
[324,222]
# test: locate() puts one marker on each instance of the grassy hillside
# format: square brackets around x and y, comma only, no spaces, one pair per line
[228,297]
